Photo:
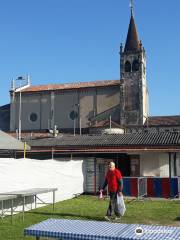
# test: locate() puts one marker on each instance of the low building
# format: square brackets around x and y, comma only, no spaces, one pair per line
[155,154]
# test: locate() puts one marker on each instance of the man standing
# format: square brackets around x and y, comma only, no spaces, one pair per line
[115,185]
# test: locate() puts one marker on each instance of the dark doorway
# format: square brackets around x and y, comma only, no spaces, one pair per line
[101,168]
[122,162]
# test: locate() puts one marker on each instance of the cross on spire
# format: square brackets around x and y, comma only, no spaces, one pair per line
[131,6]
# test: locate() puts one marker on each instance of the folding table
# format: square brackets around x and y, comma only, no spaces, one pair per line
[22,194]
[97,230]
[6,198]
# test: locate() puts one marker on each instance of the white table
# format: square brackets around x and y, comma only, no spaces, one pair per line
[22,194]
[6,198]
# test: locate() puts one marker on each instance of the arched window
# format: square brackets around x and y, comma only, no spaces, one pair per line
[127,66]
[135,66]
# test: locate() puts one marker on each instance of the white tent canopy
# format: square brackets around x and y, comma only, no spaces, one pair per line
[22,174]
[10,143]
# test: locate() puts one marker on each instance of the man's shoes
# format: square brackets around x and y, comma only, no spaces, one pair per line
[117,219]
[107,218]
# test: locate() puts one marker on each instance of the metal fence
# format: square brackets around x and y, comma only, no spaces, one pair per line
[135,186]
[161,187]
[142,187]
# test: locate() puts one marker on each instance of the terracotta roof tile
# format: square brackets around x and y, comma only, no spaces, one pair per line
[105,123]
[164,121]
[69,86]
[31,134]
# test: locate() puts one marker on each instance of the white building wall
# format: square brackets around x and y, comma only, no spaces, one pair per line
[154,164]
[164,164]
[178,164]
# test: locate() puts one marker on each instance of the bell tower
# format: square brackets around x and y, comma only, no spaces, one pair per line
[133,86]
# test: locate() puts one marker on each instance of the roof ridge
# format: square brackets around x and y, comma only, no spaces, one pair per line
[70,85]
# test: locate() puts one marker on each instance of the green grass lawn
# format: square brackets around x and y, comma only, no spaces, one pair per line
[162,212]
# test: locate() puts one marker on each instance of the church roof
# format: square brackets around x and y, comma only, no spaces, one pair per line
[163,121]
[105,123]
[132,41]
[69,86]
[154,121]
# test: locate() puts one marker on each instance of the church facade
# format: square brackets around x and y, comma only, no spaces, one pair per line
[81,105]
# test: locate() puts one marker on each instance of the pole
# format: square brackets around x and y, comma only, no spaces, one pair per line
[80,126]
[175,165]
[52,153]
[74,126]
[20,112]
[110,123]
[28,80]
[53,200]
[21,78]
[94,176]
[25,146]
[170,165]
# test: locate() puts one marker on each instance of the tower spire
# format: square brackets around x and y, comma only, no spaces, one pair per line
[132,41]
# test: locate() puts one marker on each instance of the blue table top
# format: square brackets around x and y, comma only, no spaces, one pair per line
[97,230]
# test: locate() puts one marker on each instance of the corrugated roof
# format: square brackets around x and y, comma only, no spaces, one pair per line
[115,140]
[69,86]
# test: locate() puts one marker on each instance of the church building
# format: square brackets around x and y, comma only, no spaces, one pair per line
[81,105]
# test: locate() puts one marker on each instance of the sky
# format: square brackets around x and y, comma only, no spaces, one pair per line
[63,41]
